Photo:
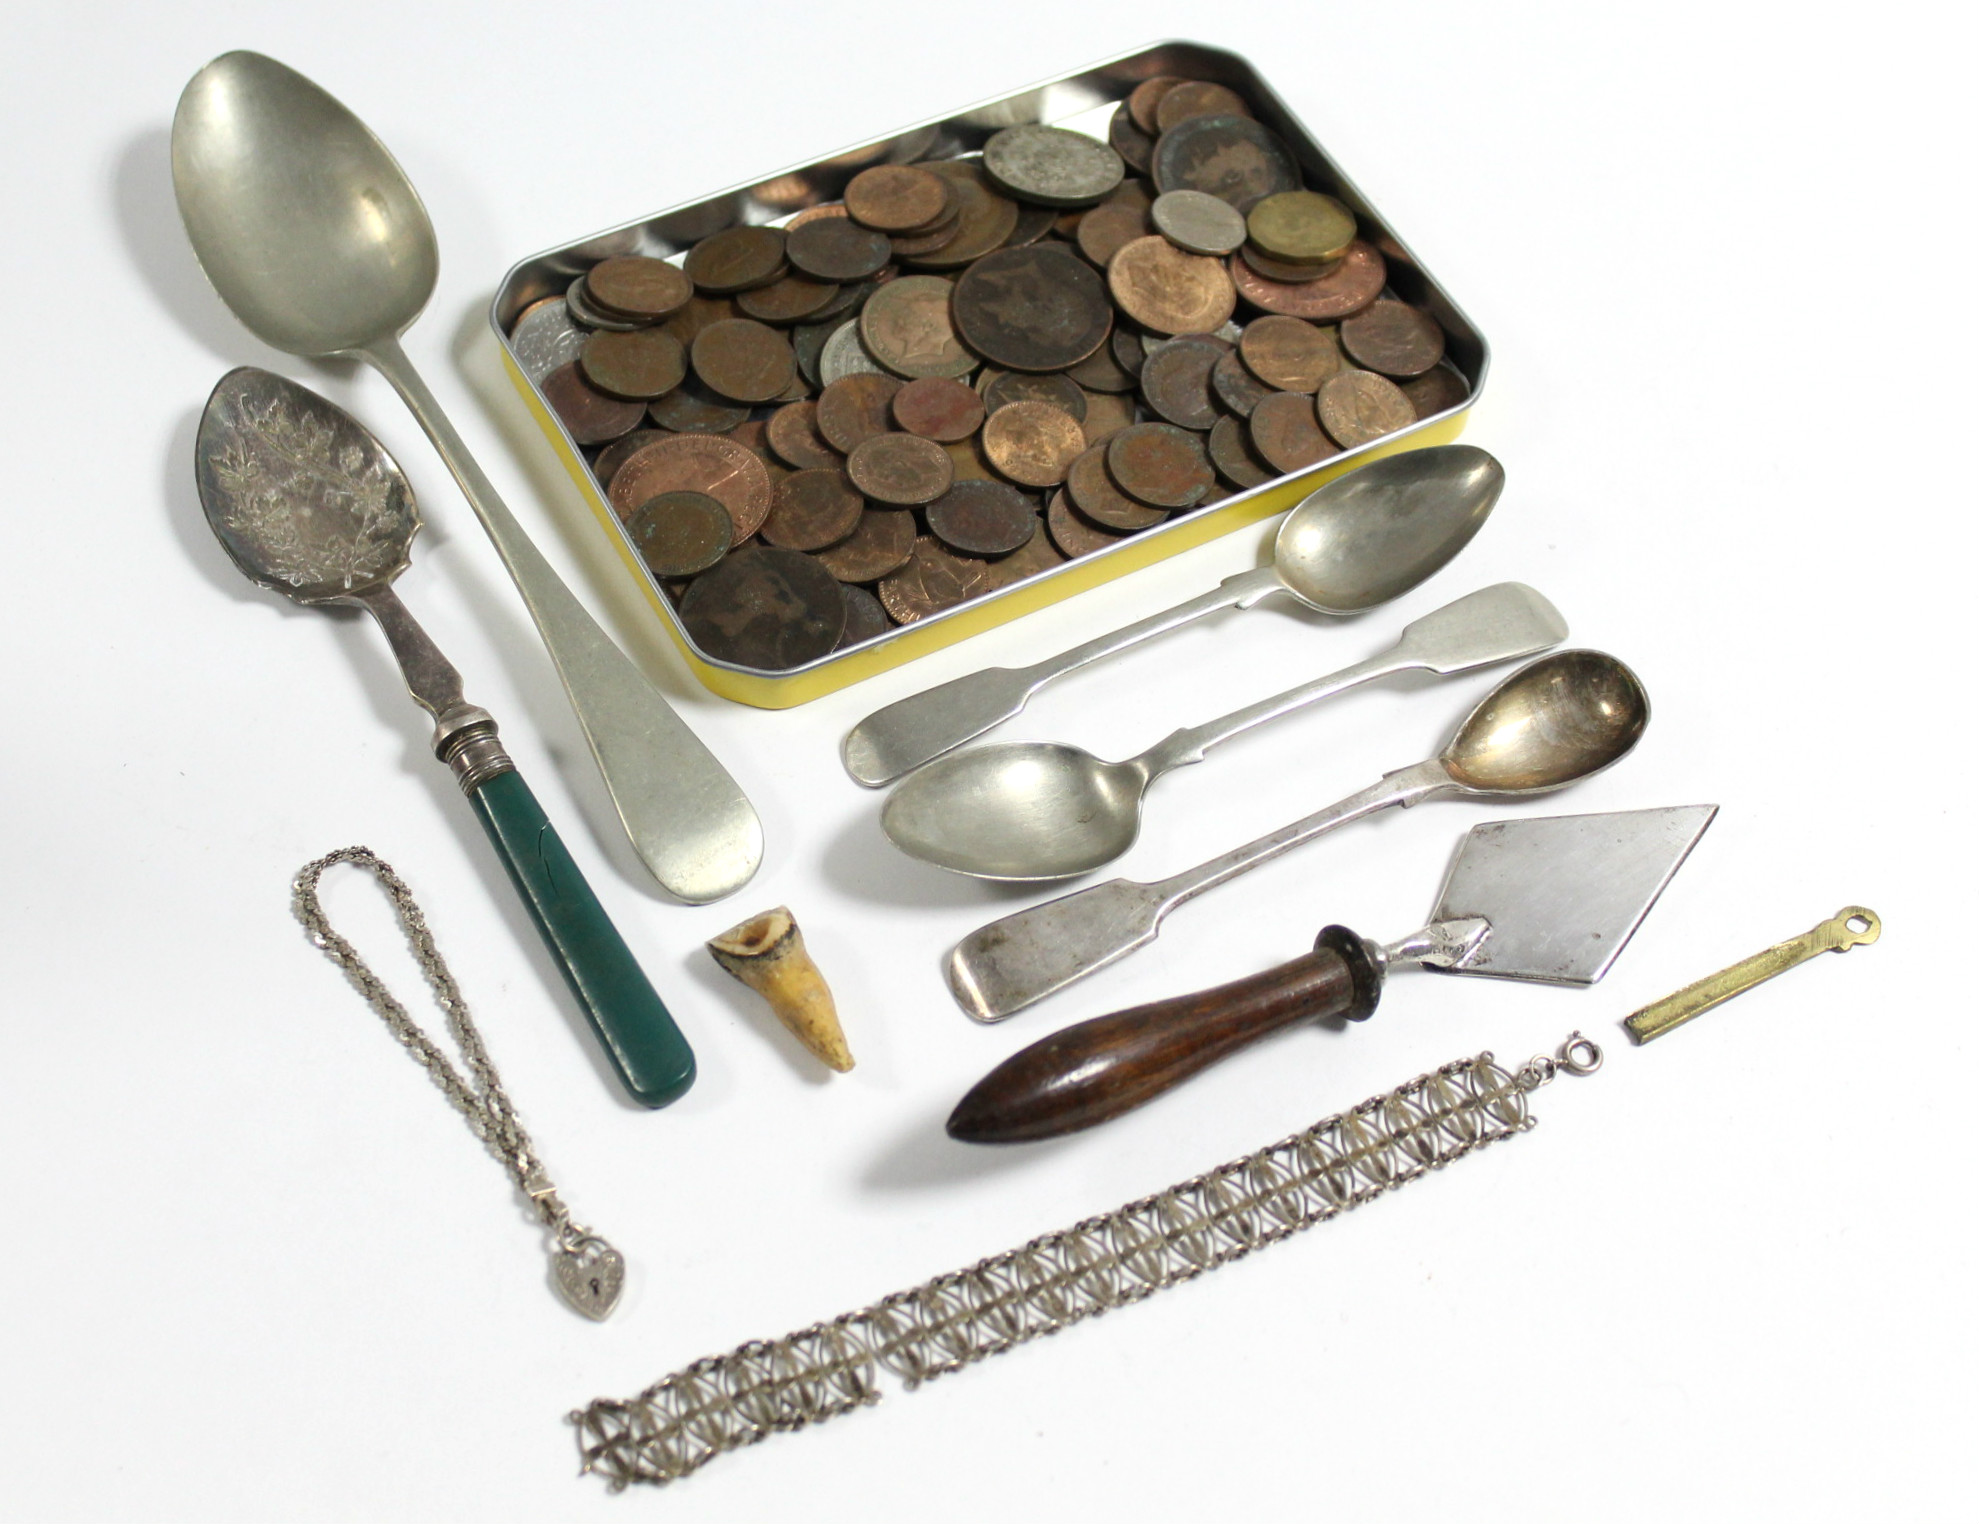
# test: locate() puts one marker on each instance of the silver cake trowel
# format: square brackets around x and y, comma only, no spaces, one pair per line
[1553,901]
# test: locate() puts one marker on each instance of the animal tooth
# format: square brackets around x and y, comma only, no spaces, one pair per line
[766,952]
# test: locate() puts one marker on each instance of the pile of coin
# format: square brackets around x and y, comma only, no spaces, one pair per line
[968,371]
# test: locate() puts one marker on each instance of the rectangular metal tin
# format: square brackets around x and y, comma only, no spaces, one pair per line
[1070,96]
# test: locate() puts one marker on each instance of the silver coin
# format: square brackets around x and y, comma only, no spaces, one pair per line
[1052,166]
[1197,221]
[578,300]
[546,338]
[844,355]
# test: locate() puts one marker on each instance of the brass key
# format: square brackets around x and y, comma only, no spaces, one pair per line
[1851,926]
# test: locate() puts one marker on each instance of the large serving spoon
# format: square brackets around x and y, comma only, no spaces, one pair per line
[308,503]
[1041,810]
[1361,540]
[1553,722]
[312,234]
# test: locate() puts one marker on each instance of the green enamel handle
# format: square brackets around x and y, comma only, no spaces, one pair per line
[646,1050]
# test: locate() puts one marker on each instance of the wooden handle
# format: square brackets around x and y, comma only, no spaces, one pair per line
[1096,1070]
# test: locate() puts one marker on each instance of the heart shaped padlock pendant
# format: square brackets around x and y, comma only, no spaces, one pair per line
[590,1274]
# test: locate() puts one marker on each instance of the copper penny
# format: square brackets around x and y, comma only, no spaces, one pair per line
[836,248]
[1094,493]
[1285,432]
[1160,464]
[792,434]
[1107,413]
[1135,147]
[933,579]
[812,509]
[639,287]
[1036,555]
[736,259]
[988,218]
[686,324]
[1035,308]
[971,464]
[753,435]
[856,407]
[1435,391]
[1033,442]
[824,211]
[588,413]
[1235,387]
[697,463]
[936,407]
[1033,222]
[1162,288]
[1282,270]
[620,450]
[1145,100]
[1355,284]
[680,533]
[1301,226]
[1175,383]
[1289,354]
[1009,386]
[1358,406]
[691,408]
[982,518]
[881,544]
[865,619]
[640,365]
[744,360]
[896,198]
[1129,351]
[933,241]
[578,304]
[1101,371]
[764,608]
[905,326]
[787,301]
[900,470]
[1393,338]
[1109,228]
[1198,97]
[1231,157]
[808,340]
[1230,451]
[1074,535]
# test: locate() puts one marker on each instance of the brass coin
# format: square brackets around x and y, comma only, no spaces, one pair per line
[932,580]
[639,365]
[896,198]
[701,312]
[1436,391]
[764,608]
[982,518]
[680,533]
[1230,451]
[1301,226]
[620,450]
[987,217]
[1035,308]
[639,286]
[1101,371]
[1033,442]
[589,415]
[1072,534]
[1198,222]
[1285,432]
[905,326]
[1358,406]
[1109,228]
[1175,384]
[1393,338]
[1035,556]
[696,463]
[865,619]
[735,259]
[836,248]
[1289,354]
[1282,270]
[937,407]
[690,408]
[1107,413]
[1051,166]
[1231,157]
[1357,281]
[1162,465]
[1197,97]
[790,300]
[854,408]
[1052,387]
[1164,289]
[901,470]
[1135,147]
[813,509]
[1235,387]
[792,433]
[744,359]
[881,544]
[1094,493]
[1145,100]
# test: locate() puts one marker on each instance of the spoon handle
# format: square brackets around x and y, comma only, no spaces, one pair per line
[1187,746]
[1240,590]
[689,822]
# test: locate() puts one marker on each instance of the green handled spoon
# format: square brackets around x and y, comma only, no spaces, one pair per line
[309,504]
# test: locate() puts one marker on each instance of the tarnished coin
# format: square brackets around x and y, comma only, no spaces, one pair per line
[620,450]
[1393,338]
[937,407]
[1033,442]
[1162,465]
[690,408]
[881,544]
[678,534]
[1358,406]
[1035,308]
[1101,371]
[708,463]
[1052,166]
[901,470]
[1074,535]
[1436,391]
[807,342]
[971,464]
[545,337]
[1289,354]
[987,217]
[790,300]
[854,408]
[812,509]
[1033,222]
[1034,557]
[577,302]
[1198,222]
[905,326]
[1107,413]
[1224,338]
[1129,351]
[836,249]
[753,435]
[1145,100]
[1235,387]
[822,212]
[744,359]
[933,579]
[896,198]
[982,518]
[637,286]
[1354,284]
[1230,157]
[933,241]
[1285,432]
[1094,493]
[1135,147]
[1008,386]
[1198,97]
[736,259]
[641,365]
[1175,383]
[1283,270]
[1301,226]
[1164,289]
[703,311]
[764,608]
[845,355]
[1110,227]
[865,619]
[1230,451]
[588,413]
[792,434]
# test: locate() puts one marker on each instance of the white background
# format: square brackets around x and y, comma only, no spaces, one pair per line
[254,1267]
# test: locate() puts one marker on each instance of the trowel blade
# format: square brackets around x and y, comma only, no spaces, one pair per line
[1564,894]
